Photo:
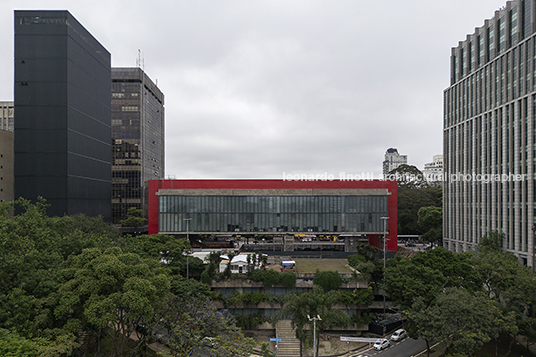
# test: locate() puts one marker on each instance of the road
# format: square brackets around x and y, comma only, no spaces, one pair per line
[405,348]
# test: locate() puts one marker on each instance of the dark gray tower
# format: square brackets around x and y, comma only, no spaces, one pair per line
[138,139]
[63,127]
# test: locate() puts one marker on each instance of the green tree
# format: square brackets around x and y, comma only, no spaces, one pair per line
[134,218]
[14,345]
[491,242]
[166,248]
[410,200]
[193,324]
[368,267]
[408,176]
[33,249]
[512,285]
[265,350]
[111,292]
[430,219]
[428,273]
[299,307]
[328,280]
[463,321]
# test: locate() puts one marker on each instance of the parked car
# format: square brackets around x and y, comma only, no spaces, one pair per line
[399,335]
[381,344]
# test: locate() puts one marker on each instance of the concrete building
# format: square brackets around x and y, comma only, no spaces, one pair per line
[6,165]
[7,110]
[63,127]
[275,207]
[489,142]
[138,139]
[433,171]
[392,160]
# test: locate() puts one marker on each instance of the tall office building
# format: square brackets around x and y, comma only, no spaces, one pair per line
[63,126]
[138,139]
[489,140]
[433,171]
[392,160]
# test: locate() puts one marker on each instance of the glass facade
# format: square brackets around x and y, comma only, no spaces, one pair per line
[489,141]
[137,139]
[62,102]
[357,213]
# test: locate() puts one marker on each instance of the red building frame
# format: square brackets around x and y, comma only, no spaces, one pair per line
[374,240]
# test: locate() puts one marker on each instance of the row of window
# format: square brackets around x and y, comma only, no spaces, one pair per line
[273,204]
[500,142]
[493,39]
[272,222]
[506,78]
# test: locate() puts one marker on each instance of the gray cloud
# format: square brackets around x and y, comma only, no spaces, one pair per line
[258,88]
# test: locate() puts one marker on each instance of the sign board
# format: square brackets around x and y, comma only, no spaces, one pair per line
[359,339]
[275,339]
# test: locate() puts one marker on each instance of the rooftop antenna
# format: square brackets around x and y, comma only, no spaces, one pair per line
[140,62]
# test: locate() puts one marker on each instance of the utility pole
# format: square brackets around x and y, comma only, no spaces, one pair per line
[188,240]
[385,219]
[314,331]
[533,247]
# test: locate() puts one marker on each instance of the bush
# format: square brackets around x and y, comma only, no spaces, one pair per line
[328,280]
[267,277]
[355,259]
[288,279]
[249,322]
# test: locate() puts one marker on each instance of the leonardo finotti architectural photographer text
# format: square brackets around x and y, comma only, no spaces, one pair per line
[367,176]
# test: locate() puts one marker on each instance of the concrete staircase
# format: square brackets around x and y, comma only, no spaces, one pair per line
[289,346]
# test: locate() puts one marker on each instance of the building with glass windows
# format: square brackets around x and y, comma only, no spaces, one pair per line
[137,139]
[275,207]
[63,127]
[393,160]
[489,134]
[7,116]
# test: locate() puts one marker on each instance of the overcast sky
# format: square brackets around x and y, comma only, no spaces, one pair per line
[258,88]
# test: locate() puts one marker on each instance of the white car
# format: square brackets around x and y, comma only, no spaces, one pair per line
[381,344]
[399,335]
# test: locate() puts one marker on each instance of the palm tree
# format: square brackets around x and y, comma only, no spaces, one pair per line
[298,307]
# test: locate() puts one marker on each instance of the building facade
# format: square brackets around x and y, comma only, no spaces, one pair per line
[489,141]
[138,139]
[392,160]
[7,116]
[275,207]
[433,171]
[63,127]
[6,166]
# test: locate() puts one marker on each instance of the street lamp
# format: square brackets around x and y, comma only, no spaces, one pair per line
[314,331]
[384,257]
[187,239]
[533,248]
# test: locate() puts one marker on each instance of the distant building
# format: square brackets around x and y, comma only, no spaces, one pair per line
[433,171]
[250,208]
[489,141]
[6,165]
[138,139]
[63,127]
[7,116]
[392,160]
